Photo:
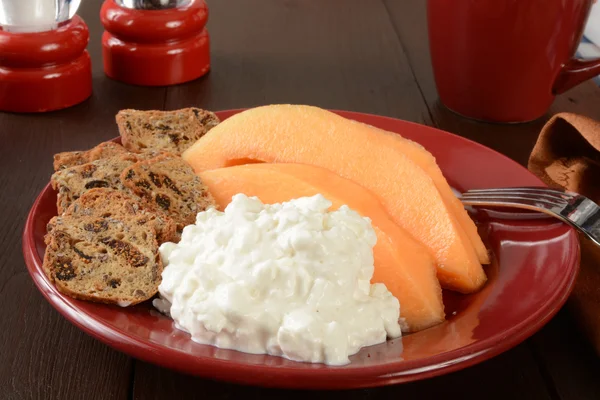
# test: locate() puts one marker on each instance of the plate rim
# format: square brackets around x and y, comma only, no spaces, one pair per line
[303,378]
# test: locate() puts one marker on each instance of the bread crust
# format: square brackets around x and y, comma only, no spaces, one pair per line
[172,131]
[168,184]
[69,159]
[117,204]
[71,183]
[111,258]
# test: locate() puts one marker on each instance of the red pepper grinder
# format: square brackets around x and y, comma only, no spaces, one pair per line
[155,42]
[43,62]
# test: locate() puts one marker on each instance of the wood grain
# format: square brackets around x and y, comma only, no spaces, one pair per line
[516,141]
[524,382]
[42,355]
[340,54]
[351,58]
[353,55]
[567,358]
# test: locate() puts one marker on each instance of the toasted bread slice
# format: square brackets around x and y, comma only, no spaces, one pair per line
[172,131]
[117,204]
[73,158]
[112,259]
[168,184]
[72,182]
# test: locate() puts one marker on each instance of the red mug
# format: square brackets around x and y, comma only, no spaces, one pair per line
[505,60]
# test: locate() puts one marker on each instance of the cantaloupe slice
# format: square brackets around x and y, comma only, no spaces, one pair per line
[426,161]
[401,263]
[309,135]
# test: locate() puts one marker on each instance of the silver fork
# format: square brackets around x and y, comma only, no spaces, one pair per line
[572,208]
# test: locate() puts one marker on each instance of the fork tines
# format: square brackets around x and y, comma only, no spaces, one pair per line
[525,197]
[574,209]
[547,196]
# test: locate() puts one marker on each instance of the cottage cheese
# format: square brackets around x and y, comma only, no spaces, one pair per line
[288,279]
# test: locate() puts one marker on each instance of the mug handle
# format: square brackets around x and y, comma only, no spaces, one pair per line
[575,72]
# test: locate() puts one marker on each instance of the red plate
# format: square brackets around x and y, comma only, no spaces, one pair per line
[534,270]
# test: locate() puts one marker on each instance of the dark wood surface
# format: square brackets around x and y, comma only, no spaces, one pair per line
[344,54]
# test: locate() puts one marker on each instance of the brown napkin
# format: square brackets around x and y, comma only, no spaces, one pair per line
[567,155]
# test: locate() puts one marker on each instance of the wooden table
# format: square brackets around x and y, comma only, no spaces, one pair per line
[368,56]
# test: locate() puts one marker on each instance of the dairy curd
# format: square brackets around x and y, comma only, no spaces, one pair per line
[289,279]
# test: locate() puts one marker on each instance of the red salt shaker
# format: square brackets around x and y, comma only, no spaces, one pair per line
[155,45]
[44,71]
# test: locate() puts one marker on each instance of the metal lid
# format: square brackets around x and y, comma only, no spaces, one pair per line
[151,4]
[35,15]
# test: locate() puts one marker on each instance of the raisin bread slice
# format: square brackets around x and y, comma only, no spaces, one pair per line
[117,204]
[168,184]
[113,260]
[72,182]
[172,131]
[73,158]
